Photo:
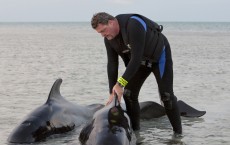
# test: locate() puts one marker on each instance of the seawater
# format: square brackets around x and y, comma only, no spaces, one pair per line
[34,55]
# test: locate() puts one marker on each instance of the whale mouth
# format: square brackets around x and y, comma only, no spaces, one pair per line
[22,134]
[116,117]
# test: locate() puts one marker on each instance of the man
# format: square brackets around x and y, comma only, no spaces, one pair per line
[144,49]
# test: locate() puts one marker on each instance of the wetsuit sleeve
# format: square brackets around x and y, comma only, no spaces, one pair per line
[112,65]
[136,38]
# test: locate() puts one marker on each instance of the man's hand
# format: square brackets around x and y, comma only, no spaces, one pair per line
[118,90]
[111,96]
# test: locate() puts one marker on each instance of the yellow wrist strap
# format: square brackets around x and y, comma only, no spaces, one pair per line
[122,81]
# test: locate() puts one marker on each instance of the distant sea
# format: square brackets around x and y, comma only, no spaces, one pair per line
[34,55]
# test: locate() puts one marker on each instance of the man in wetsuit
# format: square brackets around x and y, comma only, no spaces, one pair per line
[144,49]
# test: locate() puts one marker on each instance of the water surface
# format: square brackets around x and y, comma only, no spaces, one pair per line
[34,55]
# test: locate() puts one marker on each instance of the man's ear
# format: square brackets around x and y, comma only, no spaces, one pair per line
[110,22]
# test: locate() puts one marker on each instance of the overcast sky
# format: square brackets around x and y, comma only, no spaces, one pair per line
[82,10]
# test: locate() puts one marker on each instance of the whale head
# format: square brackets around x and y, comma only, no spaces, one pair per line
[110,125]
[43,121]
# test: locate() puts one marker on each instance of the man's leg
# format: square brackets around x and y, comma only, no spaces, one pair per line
[131,93]
[163,72]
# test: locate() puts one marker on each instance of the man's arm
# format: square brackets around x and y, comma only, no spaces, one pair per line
[136,37]
[112,65]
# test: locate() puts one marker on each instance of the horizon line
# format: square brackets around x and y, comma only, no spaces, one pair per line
[89,21]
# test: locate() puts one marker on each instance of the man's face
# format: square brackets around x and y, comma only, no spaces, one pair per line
[107,30]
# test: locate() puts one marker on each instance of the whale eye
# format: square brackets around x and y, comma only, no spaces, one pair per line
[26,123]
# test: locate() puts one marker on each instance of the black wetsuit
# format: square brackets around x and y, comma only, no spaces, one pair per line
[139,64]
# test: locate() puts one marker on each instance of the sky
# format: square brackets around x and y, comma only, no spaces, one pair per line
[82,10]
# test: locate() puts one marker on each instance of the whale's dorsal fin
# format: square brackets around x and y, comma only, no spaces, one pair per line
[55,90]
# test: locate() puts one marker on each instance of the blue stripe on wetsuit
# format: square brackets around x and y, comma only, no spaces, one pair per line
[141,21]
[162,58]
[162,62]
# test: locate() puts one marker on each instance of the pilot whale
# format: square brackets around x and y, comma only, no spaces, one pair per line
[109,126]
[56,116]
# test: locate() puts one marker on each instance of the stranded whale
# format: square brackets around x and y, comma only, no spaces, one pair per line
[109,126]
[58,116]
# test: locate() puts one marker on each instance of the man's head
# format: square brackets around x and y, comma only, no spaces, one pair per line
[105,24]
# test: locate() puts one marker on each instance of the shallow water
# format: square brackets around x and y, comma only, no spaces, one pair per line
[34,55]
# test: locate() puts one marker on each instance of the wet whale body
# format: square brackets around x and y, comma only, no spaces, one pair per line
[150,109]
[58,116]
[109,126]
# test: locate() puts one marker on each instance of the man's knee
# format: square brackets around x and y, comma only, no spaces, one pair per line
[168,100]
[131,95]
[127,92]
[133,108]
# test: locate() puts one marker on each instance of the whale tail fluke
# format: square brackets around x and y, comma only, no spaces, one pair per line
[152,109]
[188,111]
